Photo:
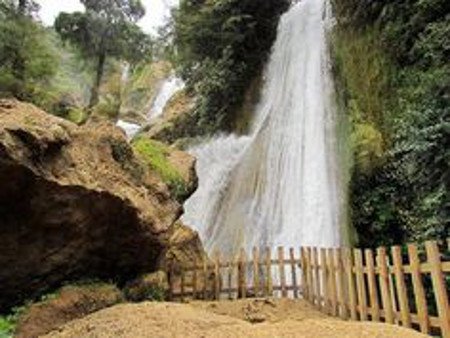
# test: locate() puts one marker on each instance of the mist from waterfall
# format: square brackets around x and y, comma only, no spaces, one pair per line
[279,185]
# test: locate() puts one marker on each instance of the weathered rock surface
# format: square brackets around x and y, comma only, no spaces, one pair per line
[75,202]
[176,121]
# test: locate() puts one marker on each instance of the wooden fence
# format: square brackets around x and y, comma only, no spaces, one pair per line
[405,286]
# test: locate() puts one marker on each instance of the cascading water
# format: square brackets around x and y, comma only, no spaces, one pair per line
[169,87]
[131,129]
[280,185]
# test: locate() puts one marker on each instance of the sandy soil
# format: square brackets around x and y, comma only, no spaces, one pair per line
[249,318]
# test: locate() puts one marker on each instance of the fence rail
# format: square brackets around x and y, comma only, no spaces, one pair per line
[404,286]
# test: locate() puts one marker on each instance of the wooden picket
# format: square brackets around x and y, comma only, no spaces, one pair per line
[348,283]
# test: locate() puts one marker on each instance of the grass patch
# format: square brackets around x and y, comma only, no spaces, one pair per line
[8,322]
[7,326]
[156,154]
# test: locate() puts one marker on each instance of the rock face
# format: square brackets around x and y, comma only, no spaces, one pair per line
[75,202]
[176,121]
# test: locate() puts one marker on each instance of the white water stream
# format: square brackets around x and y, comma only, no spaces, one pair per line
[169,88]
[279,185]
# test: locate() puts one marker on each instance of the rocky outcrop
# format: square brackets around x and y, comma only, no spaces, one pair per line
[76,202]
[177,120]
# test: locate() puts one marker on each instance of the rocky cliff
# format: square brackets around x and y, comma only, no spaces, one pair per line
[76,203]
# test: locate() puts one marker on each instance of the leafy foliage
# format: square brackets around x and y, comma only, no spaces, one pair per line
[220,47]
[6,327]
[403,196]
[107,28]
[26,60]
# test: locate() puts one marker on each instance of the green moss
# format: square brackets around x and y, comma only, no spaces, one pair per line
[9,321]
[76,115]
[364,82]
[6,327]
[155,154]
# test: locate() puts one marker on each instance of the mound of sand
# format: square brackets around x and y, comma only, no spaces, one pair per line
[248,318]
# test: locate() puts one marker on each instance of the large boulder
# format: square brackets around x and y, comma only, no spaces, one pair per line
[76,202]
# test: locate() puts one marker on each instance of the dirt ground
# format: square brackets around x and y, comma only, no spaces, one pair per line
[247,318]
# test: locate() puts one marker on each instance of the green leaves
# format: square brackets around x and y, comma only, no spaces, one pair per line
[405,198]
[220,47]
[106,29]
[26,60]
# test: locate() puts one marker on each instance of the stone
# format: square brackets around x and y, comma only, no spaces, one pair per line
[76,202]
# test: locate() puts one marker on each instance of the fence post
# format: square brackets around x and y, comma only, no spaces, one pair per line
[384,284]
[309,277]
[323,263]
[305,290]
[194,280]
[205,278]
[342,309]
[229,270]
[362,297]
[392,290]
[439,287]
[293,272]
[316,277]
[182,290]
[269,286]
[348,263]
[373,290]
[401,286]
[256,271]
[242,274]
[217,277]
[419,291]
[282,271]
[171,281]
[333,282]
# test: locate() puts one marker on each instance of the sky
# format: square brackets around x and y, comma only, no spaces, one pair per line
[156,11]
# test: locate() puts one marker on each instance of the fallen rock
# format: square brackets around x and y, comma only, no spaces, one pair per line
[76,202]
[71,302]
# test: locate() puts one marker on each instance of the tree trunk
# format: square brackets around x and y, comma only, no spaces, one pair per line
[98,80]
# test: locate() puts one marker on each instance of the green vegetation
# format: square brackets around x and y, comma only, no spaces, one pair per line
[8,322]
[155,154]
[221,47]
[26,60]
[38,66]
[393,74]
[105,29]
[6,327]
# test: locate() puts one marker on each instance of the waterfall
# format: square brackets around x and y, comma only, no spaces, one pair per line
[170,86]
[279,185]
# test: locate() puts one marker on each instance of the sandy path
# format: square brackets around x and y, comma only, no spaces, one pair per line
[281,318]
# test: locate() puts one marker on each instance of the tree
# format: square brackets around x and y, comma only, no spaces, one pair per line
[26,60]
[220,47]
[20,7]
[107,28]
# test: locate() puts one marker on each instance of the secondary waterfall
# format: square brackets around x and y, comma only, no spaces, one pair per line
[169,88]
[280,184]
